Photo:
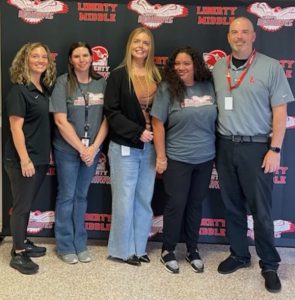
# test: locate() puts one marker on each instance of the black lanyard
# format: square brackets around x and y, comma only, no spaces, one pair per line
[86,101]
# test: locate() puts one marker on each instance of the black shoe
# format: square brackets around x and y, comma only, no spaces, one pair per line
[272,281]
[144,259]
[195,261]
[168,259]
[33,250]
[22,262]
[232,264]
[133,260]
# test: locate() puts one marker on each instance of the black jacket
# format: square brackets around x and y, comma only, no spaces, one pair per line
[123,111]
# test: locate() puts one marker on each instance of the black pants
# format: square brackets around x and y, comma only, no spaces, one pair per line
[186,186]
[243,184]
[24,191]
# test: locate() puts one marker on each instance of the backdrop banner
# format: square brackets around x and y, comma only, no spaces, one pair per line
[106,26]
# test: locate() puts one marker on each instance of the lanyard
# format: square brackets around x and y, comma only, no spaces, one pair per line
[243,74]
[86,100]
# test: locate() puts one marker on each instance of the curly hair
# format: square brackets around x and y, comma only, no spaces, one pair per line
[72,78]
[176,86]
[20,72]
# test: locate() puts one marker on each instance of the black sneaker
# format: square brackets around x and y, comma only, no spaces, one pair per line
[133,260]
[144,259]
[168,259]
[33,250]
[195,261]
[232,264]
[22,262]
[272,281]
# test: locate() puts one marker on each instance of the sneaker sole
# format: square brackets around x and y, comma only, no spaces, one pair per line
[235,269]
[26,272]
[173,271]
[36,254]
[197,270]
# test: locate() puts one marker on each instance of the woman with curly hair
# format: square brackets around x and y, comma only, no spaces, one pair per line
[27,150]
[184,114]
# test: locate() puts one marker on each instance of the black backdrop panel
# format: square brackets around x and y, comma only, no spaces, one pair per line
[106,26]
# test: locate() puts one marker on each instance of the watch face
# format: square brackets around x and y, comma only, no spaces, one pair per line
[275,149]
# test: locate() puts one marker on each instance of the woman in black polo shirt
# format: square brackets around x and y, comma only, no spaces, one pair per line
[27,150]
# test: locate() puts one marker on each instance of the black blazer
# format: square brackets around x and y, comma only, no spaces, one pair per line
[123,111]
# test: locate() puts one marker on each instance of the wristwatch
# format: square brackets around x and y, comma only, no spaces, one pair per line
[275,149]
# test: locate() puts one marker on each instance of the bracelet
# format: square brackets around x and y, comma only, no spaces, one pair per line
[25,164]
[162,162]
[97,150]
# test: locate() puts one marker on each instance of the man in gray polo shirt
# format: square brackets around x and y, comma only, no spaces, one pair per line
[252,96]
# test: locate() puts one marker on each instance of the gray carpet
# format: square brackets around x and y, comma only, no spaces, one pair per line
[106,279]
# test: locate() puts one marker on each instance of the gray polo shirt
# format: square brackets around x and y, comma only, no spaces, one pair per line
[190,129]
[264,86]
[74,107]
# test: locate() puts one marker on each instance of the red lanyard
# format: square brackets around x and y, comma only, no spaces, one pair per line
[243,74]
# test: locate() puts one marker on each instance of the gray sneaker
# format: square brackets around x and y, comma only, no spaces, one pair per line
[84,256]
[195,261]
[69,258]
[168,259]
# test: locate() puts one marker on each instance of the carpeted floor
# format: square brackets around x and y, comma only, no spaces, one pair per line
[106,279]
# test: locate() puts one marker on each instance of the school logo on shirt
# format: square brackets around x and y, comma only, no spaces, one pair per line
[280,226]
[34,12]
[153,16]
[40,220]
[100,56]
[212,57]
[196,101]
[272,19]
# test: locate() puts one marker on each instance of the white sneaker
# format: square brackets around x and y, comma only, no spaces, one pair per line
[84,256]
[69,258]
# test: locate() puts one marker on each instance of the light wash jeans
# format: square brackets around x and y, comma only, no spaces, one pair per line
[74,179]
[132,184]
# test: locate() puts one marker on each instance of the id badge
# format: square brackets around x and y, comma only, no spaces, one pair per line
[125,151]
[85,141]
[228,103]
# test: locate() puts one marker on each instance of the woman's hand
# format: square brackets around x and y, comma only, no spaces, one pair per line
[147,136]
[161,165]
[88,155]
[28,169]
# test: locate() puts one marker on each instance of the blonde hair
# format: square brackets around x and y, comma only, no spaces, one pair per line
[20,72]
[152,72]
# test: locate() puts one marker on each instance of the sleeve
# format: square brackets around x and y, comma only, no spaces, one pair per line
[57,102]
[161,103]
[280,91]
[16,104]
[117,120]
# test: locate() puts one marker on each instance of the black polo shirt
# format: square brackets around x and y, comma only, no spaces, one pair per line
[28,102]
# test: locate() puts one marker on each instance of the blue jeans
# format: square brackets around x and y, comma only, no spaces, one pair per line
[132,184]
[74,179]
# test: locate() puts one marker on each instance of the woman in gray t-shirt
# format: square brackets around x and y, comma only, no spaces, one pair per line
[184,114]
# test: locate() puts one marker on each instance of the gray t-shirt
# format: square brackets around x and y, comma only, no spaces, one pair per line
[264,86]
[74,107]
[190,128]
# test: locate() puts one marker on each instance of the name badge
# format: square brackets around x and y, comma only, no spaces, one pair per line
[228,103]
[125,151]
[85,141]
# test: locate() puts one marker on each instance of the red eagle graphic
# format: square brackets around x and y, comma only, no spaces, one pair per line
[34,12]
[153,16]
[272,19]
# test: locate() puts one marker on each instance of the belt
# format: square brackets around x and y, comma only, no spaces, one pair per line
[245,138]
